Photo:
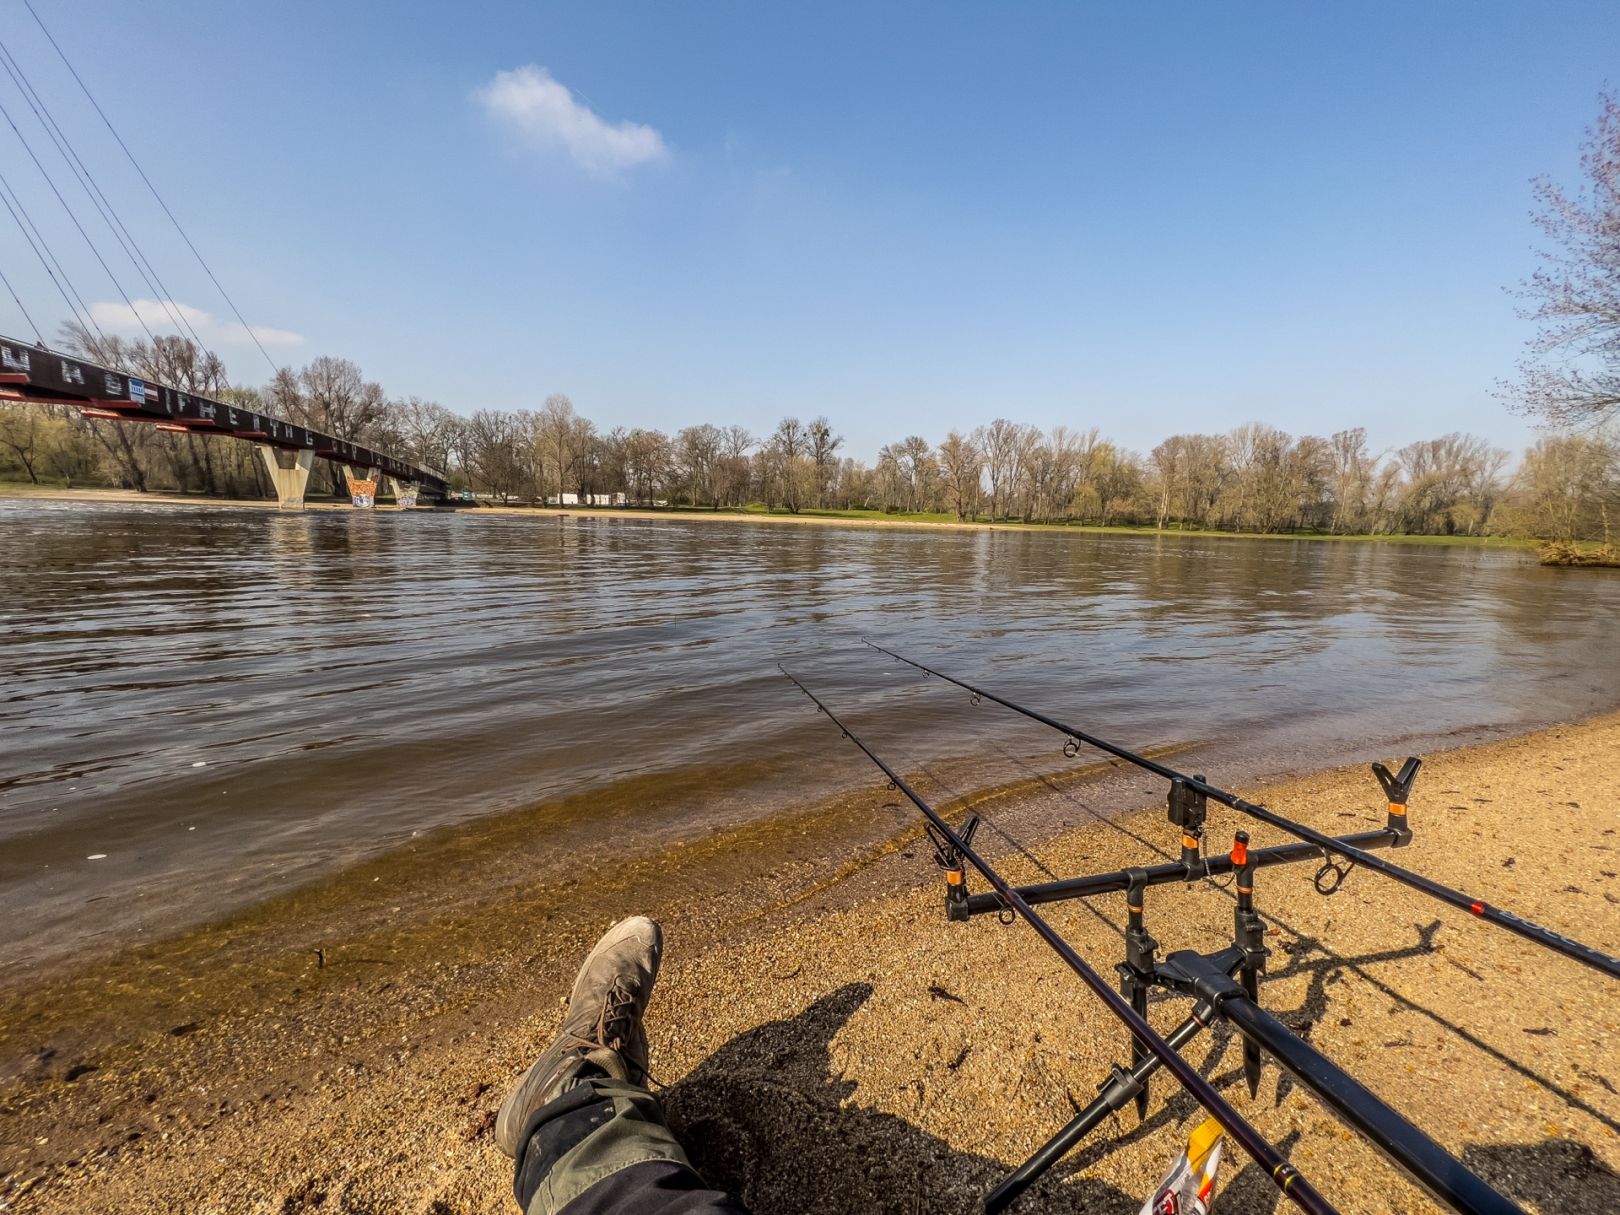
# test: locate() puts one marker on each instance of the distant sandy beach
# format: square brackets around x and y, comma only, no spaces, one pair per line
[814,518]
[485,511]
[831,1042]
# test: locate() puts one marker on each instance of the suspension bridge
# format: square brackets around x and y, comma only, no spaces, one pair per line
[34,375]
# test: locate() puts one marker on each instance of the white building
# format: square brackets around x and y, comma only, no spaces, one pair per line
[617,499]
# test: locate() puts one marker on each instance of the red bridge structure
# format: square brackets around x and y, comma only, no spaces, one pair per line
[33,375]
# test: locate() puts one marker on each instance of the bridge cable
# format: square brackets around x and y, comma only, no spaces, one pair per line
[22,308]
[237,312]
[47,258]
[51,182]
[98,197]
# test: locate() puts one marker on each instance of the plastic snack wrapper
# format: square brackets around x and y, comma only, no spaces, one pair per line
[1189,1187]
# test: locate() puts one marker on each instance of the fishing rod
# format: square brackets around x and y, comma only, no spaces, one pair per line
[958,847]
[1218,995]
[1188,794]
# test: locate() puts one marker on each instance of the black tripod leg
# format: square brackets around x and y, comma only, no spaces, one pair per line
[1137,972]
[1116,1091]
[1139,1001]
[1250,933]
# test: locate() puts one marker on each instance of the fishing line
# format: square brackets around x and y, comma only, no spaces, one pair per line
[51,182]
[21,308]
[1196,789]
[93,191]
[1293,1184]
[207,269]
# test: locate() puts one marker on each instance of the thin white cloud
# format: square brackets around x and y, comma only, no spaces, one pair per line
[545,112]
[159,315]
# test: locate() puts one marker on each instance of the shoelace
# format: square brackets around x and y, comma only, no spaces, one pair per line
[618,1018]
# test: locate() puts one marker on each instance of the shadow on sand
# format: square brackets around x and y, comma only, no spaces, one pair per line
[764,1118]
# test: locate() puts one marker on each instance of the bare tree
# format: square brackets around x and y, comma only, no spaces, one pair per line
[1442,482]
[71,450]
[1051,471]
[649,462]
[1190,474]
[586,469]
[733,471]
[23,433]
[183,461]
[1571,374]
[1566,489]
[912,463]
[1001,443]
[426,430]
[1350,471]
[330,395]
[494,439]
[1082,495]
[1168,460]
[698,452]
[1117,477]
[558,434]
[786,461]
[824,443]
[961,462]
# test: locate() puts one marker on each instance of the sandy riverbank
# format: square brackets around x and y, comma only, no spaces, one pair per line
[834,1045]
[810,518]
[130,497]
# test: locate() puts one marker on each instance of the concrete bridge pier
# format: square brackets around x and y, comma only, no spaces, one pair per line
[366,475]
[404,493]
[289,473]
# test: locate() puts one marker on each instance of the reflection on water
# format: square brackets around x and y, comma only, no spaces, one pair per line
[224,701]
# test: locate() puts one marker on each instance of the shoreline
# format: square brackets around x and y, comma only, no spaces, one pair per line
[20,492]
[237,1063]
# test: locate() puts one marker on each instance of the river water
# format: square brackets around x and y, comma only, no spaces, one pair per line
[217,704]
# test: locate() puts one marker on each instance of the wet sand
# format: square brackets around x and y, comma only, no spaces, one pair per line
[131,497]
[833,1044]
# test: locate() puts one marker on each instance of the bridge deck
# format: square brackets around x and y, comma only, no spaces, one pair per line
[28,373]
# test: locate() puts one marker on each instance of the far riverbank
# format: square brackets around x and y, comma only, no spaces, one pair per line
[758,514]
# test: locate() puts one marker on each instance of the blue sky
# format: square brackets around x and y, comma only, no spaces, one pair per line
[1146,218]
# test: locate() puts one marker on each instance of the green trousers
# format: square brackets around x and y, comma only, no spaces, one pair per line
[602,1148]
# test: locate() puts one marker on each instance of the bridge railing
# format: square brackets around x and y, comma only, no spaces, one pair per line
[31,374]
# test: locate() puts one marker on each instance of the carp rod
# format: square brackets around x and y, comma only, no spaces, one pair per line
[1288,1179]
[1197,788]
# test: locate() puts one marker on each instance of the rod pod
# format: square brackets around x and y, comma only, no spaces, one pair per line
[1518,925]
[1289,1180]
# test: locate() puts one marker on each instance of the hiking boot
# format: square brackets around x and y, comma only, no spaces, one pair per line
[602,1030]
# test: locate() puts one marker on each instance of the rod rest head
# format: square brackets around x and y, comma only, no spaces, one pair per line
[1206,977]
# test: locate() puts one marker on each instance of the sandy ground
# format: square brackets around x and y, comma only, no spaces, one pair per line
[837,1046]
[486,511]
[132,497]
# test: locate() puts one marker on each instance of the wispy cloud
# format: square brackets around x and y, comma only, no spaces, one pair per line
[544,112]
[159,315]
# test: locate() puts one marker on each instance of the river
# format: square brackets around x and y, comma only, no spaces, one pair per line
[204,706]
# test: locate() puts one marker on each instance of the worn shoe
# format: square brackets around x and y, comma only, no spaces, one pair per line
[603,1027]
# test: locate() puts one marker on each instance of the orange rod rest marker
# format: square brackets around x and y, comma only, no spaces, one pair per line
[1196,786]
[1302,1193]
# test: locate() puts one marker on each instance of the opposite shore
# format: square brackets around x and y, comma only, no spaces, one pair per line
[819,1019]
[865,519]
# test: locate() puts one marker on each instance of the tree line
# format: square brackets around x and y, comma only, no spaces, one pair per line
[1254,478]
